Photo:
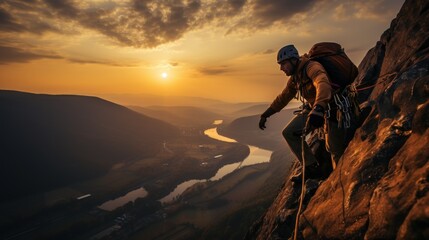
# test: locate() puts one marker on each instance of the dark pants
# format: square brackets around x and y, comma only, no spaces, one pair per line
[334,136]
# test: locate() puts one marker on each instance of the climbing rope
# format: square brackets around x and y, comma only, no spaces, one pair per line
[346,102]
[301,198]
[383,78]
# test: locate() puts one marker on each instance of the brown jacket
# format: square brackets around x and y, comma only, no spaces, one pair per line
[316,88]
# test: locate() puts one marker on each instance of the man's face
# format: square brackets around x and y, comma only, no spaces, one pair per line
[287,67]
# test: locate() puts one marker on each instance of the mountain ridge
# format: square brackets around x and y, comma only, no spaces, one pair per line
[185,116]
[380,188]
[85,137]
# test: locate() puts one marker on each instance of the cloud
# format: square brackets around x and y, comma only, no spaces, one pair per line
[356,49]
[162,21]
[65,8]
[8,23]
[101,62]
[26,17]
[267,12]
[375,9]
[269,51]
[366,9]
[142,23]
[341,12]
[18,55]
[150,23]
[216,70]
[12,54]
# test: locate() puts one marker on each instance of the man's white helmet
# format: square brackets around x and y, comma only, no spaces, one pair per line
[287,52]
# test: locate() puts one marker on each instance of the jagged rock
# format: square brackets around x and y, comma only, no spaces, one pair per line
[379,189]
[369,70]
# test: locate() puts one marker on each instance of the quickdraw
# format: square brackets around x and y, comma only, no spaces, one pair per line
[346,104]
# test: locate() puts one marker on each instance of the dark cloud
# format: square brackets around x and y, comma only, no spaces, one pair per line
[21,5]
[163,20]
[16,55]
[65,8]
[237,4]
[219,10]
[218,70]
[12,54]
[103,21]
[150,23]
[101,62]
[8,23]
[142,23]
[40,27]
[25,16]
[268,11]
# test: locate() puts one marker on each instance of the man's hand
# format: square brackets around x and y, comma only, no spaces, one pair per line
[262,122]
[315,119]
[264,117]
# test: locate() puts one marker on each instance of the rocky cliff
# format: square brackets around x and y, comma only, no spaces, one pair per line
[380,188]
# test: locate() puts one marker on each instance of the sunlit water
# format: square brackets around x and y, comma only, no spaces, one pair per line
[256,155]
[120,201]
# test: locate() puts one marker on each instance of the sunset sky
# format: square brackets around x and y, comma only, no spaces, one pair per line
[214,49]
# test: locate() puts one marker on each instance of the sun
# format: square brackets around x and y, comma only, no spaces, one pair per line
[164,75]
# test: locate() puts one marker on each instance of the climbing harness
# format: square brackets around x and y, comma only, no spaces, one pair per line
[346,104]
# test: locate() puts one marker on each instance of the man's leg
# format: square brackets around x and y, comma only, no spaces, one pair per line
[292,134]
[335,141]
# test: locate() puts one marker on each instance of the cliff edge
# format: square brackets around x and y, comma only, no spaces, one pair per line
[380,188]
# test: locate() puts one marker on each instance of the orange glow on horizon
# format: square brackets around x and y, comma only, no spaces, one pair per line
[234,61]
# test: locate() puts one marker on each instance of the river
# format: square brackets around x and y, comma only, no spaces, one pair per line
[120,201]
[256,155]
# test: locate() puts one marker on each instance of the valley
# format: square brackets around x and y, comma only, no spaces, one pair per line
[159,175]
[188,182]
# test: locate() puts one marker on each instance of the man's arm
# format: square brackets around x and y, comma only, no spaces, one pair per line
[288,93]
[279,102]
[317,73]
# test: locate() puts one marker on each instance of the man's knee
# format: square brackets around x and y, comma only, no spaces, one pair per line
[292,131]
[288,133]
[291,136]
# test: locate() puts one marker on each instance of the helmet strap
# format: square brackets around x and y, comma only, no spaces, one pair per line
[294,62]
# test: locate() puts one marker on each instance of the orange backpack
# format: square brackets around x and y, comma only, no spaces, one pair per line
[340,69]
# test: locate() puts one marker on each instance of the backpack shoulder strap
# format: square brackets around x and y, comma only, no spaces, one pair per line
[304,72]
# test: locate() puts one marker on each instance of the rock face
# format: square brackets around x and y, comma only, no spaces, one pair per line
[379,189]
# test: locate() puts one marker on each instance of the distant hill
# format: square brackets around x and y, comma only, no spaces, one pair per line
[230,108]
[180,115]
[252,110]
[148,100]
[145,100]
[48,141]
[259,108]
[246,130]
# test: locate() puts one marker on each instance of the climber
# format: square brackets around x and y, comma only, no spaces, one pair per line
[310,80]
